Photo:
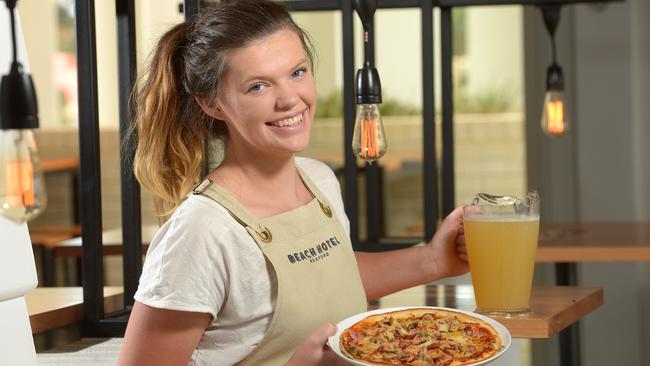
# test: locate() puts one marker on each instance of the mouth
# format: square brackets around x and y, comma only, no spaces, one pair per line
[288,122]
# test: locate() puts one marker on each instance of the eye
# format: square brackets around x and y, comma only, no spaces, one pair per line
[256,88]
[298,73]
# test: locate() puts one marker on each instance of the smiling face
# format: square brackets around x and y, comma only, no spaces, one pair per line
[268,97]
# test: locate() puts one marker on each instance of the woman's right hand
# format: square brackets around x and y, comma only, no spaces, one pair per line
[313,350]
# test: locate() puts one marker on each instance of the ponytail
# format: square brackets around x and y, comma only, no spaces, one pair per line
[171,127]
[190,61]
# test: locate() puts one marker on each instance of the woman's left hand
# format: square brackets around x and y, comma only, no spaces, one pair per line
[448,248]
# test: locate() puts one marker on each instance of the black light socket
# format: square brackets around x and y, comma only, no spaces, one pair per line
[554,77]
[18,106]
[368,89]
[11,4]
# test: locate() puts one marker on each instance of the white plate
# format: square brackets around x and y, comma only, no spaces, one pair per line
[335,343]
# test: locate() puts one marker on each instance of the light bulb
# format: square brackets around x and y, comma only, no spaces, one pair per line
[369,139]
[554,115]
[22,188]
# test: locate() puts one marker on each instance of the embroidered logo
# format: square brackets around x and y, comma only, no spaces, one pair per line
[315,253]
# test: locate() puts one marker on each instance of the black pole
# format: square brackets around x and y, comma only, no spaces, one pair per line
[351,184]
[448,184]
[131,208]
[428,123]
[566,274]
[90,169]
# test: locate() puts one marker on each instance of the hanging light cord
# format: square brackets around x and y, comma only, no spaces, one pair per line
[553,48]
[11,5]
[551,14]
[366,45]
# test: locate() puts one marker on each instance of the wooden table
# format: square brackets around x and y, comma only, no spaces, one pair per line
[567,244]
[595,242]
[59,165]
[54,307]
[111,240]
[553,308]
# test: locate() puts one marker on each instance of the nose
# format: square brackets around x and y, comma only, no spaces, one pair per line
[287,98]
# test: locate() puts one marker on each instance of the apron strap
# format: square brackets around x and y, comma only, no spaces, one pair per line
[208,189]
[322,200]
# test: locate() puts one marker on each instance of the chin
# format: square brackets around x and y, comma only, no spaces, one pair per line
[295,148]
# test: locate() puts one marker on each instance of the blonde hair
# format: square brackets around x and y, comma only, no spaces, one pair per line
[189,62]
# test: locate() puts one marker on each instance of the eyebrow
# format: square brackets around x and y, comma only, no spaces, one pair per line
[248,80]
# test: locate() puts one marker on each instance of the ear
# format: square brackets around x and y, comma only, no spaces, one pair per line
[211,109]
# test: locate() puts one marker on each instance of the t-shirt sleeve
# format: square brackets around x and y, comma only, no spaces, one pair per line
[184,268]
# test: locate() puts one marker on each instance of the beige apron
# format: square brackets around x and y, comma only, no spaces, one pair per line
[315,271]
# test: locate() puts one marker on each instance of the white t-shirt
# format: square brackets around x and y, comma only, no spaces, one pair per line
[203,260]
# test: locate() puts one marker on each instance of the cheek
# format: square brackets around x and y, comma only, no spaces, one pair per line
[309,92]
[244,111]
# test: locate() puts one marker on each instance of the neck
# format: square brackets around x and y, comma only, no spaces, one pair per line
[265,185]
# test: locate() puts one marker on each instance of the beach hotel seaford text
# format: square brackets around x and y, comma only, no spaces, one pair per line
[316,253]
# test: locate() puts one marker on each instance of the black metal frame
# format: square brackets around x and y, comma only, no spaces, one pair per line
[436,205]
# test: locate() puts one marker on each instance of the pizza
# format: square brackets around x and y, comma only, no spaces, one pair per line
[421,337]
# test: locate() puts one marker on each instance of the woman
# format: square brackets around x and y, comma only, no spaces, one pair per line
[255,263]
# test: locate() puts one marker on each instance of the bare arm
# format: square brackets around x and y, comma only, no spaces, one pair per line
[161,337]
[445,255]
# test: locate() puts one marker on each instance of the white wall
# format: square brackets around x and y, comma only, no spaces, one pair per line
[37,16]
[398,53]
[494,50]
[107,83]
[153,17]
[321,27]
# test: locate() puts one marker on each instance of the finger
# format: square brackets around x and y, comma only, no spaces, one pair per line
[456,216]
[460,240]
[463,257]
[461,249]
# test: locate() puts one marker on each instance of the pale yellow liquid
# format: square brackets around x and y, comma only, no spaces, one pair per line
[502,260]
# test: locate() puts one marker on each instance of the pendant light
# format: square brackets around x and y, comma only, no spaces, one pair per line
[554,120]
[369,139]
[22,190]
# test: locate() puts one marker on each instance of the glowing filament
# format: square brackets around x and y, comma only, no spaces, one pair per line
[20,183]
[555,117]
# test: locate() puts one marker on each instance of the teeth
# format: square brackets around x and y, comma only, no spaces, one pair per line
[288,121]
